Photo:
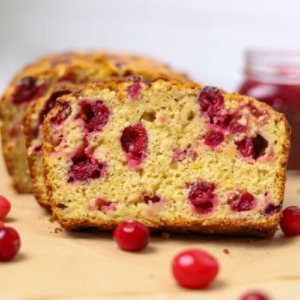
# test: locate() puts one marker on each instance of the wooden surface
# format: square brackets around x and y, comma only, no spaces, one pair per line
[54,264]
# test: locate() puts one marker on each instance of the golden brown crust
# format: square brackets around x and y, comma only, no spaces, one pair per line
[230,229]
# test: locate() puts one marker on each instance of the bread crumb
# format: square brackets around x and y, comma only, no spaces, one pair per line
[226,251]
[57,230]
[52,219]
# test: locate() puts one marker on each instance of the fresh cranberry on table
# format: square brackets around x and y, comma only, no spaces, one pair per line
[4,207]
[194,268]
[290,221]
[131,235]
[9,243]
[254,296]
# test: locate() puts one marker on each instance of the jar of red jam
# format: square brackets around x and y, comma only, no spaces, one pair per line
[273,77]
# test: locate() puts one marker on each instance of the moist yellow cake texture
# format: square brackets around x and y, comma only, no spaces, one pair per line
[37,80]
[177,157]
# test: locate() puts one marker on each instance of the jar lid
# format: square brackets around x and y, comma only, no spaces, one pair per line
[273,65]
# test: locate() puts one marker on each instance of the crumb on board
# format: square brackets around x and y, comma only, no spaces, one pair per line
[57,230]
[52,219]
[226,251]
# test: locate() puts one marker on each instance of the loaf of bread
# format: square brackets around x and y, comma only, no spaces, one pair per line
[174,156]
[37,80]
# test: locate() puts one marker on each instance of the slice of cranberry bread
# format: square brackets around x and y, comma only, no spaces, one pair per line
[33,120]
[173,156]
[35,81]
[29,85]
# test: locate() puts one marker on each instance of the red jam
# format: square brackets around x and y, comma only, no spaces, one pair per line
[274,78]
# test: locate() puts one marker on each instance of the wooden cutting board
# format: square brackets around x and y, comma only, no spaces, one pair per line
[55,264]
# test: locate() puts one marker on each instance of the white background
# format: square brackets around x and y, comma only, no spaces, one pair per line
[204,38]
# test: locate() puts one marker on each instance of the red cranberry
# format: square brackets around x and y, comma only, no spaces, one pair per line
[243,203]
[201,195]
[222,120]
[4,207]
[1,224]
[65,111]
[27,90]
[9,243]
[211,100]
[254,296]
[252,147]
[95,115]
[101,202]
[134,141]
[245,146]
[38,148]
[84,168]
[290,221]
[153,199]
[272,209]
[135,89]
[104,205]
[228,122]
[131,235]
[236,127]
[51,102]
[127,73]
[213,138]
[194,268]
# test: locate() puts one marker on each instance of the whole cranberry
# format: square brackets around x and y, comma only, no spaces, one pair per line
[254,296]
[1,224]
[194,268]
[9,243]
[134,141]
[290,221]
[131,235]
[4,207]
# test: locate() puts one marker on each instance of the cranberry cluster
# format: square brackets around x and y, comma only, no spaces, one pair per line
[211,102]
[9,238]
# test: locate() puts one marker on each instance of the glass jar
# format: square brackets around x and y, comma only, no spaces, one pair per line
[273,77]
